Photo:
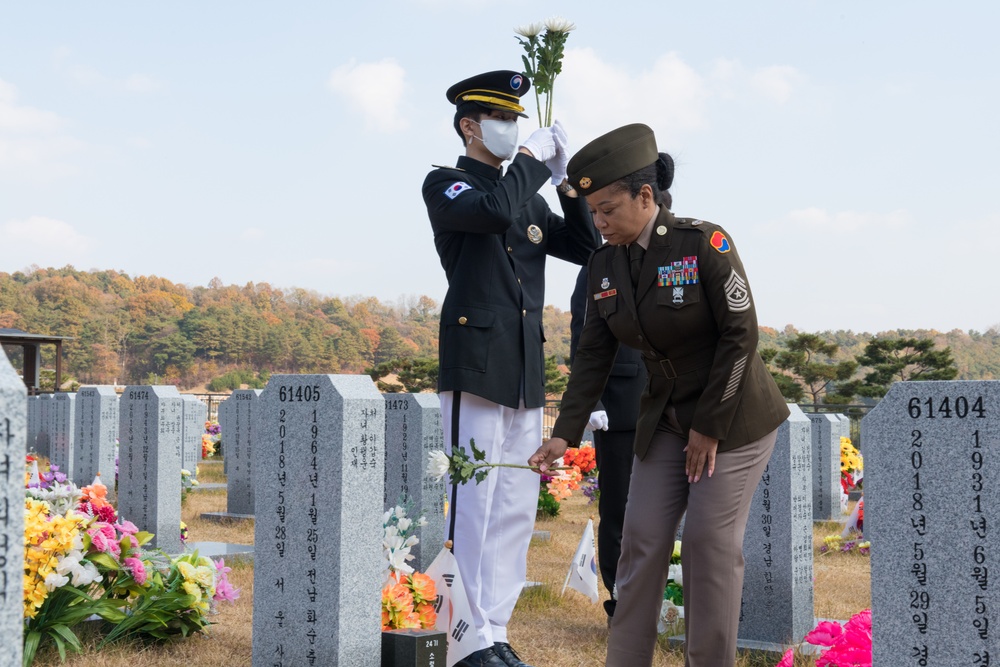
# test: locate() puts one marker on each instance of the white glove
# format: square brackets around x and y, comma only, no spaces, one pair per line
[542,144]
[599,420]
[560,161]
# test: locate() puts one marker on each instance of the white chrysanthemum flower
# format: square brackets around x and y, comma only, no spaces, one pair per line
[438,464]
[529,30]
[559,24]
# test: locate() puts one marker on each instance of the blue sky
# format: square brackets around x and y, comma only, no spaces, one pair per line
[851,149]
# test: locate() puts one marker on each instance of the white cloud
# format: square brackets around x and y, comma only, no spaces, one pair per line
[776,83]
[142,83]
[375,90]
[595,96]
[33,143]
[21,119]
[90,77]
[251,234]
[44,241]
[731,80]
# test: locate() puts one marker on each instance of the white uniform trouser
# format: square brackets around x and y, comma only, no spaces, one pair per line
[494,520]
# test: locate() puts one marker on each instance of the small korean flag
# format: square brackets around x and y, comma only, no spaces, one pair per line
[454,615]
[457,189]
[583,570]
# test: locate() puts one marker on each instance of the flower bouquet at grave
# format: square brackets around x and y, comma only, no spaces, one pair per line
[408,596]
[838,544]
[851,466]
[848,645]
[211,439]
[543,55]
[83,560]
[188,482]
[672,609]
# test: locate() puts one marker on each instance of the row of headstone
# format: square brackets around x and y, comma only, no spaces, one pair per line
[827,429]
[77,431]
[238,417]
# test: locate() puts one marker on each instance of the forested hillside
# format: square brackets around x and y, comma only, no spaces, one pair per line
[149,329]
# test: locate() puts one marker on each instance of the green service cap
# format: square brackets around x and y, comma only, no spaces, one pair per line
[611,157]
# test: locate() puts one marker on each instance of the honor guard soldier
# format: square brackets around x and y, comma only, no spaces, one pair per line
[493,232]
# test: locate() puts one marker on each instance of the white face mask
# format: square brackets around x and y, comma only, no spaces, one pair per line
[499,137]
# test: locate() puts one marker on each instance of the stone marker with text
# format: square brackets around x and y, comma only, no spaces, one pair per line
[932,514]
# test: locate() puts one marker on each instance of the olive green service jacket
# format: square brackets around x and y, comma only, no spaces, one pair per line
[692,317]
[493,232]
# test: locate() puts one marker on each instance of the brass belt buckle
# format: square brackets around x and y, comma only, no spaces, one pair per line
[668,369]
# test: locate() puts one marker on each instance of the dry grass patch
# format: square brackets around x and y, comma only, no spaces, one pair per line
[211,471]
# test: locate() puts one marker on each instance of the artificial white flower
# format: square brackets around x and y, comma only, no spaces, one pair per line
[675,572]
[54,581]
[438,464]
[403,524]
[669,614]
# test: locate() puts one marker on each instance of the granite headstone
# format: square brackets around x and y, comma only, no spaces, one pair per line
[63,411]
[195,414]
[44,435]
[238,415]
[13,423]
[827,430]
[149,462]
[777,607]
[95,432]
[932,513]
[318,466]
[412,430]
[31,432]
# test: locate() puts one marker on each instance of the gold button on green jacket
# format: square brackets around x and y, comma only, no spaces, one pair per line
[692,316]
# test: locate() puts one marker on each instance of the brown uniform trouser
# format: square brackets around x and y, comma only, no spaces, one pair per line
[711,552]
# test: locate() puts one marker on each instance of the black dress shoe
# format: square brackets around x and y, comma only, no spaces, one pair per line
[508,656]
[484,657]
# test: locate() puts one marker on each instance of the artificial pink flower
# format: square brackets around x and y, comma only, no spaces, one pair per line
[127,527]
[137,569]
[825,633]
[787,660]
[101,540]
[223,589]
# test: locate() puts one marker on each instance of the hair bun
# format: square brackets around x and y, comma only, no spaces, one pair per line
[664,171]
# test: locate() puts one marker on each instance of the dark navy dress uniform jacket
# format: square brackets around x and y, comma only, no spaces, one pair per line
[493,232]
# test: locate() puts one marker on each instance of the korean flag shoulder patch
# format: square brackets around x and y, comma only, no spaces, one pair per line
[456,189]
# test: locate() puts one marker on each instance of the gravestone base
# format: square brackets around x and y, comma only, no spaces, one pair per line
[221,517]
[751,646]
[414,648]
[232,553]
[541,536]
[209,486]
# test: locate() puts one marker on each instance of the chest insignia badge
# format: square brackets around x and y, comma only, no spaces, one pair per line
[678,295]
[605,283]
[535,234]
